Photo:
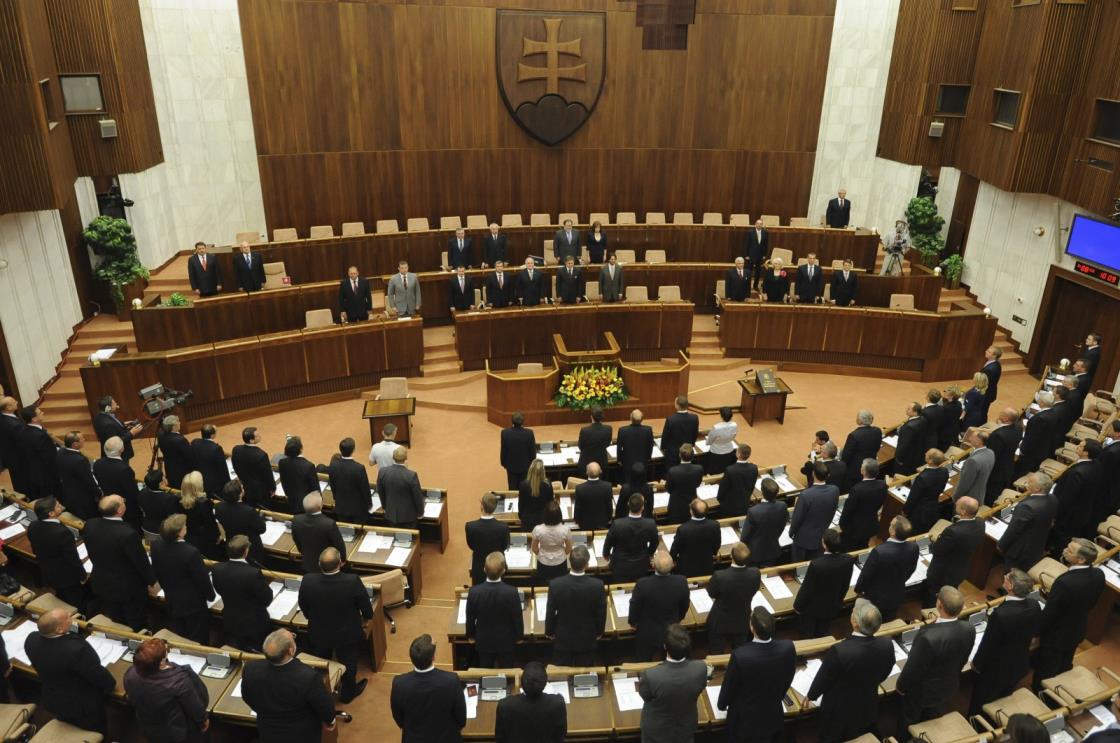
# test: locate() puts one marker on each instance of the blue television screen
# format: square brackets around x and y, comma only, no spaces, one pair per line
[1095,241]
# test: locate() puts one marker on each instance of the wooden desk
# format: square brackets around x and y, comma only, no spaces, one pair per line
[398,411]
[757,403]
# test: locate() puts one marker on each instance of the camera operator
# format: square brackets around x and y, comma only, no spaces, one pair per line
[896,245]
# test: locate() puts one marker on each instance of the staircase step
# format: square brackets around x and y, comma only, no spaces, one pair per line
[432,357]
[442,368]
[445,380]
[705,353]
[441,346]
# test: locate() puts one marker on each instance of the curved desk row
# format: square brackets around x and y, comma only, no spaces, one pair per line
[261,371]
[900,344]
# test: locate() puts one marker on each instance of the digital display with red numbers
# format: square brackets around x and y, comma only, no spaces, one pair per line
[1109,277]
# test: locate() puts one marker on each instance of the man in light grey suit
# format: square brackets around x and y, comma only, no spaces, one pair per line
[403,294]
[566,242]
[975,470]
[611,286]
[400,491]
[669,691]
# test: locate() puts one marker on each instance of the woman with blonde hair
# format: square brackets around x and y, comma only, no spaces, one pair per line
[974,413]
[533,495]
[202,527]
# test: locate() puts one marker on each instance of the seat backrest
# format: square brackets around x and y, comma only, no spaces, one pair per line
[655,256]
[770,220]
[353,228]
[669,293]
[274,275]
[784,253]
[418,224]
[511,220]
[478,296]
[626,218]
[321,230]
[443,259]
[637,294]
[600,217]
[252,238]
[682,218]
[477,222]
[902,302]
[393,388]
[567,215]
[450,223]
[798,221]
[721,288]
[740,220]
[530,367]
[838,264]
[713,218]
[591,291]
[655,217]
[549,253]
[385,226]
[626,256]
[284,234]
[390,586]
[540,220]
[317,319]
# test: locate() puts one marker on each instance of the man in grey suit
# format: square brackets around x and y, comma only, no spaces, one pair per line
[975,470]
[566,242]
[669,691]
[400,491]
[403,294]
[611,286]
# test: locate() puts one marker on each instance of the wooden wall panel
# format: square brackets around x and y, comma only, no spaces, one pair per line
[354,122]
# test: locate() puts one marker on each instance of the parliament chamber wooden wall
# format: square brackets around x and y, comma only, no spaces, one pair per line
[1061,57]
[368,110]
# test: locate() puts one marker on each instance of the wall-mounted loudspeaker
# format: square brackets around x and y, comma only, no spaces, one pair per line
[108,128]
[936,129]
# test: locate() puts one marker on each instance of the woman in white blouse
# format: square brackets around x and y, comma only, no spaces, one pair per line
[721,443]
[552,541]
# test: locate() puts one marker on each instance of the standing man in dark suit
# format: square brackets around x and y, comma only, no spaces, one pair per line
[682,481]
[1038,435]
[658,600]
[107,425]
[1003,658]
[737,282]
[992,369]
[849,679]
[1003,440]
[10,426]
[612,284]
[732,590]
[288,698]
[532,716]
[823,588]
[354,300]
[837,469]
[122,577]
[911,449]
[670,689]
[845,285]
[953,549]
[203,272]
[533,285]
[427,703]
[248,269]
[566,242]
[976,469]
[762,528]
[185,581]
[401,494]
[813,514]
[238,517]
[756,250]
[1091,352]
[697,542]
[460,250]
[576,613]
[298,475]
[1079,496]
[252,466]
[38,452]
[57,554]
[1024,542]
[494,247]
[923,505]
[1068,604]
[593,442]
[494,618]
[74,682]
[484,536]
[178,459]
[682,427]
[757,679]
[862,443]
[115,477]
[810,281]
[518,450]
[77,488]
[839,211]
[737,486]
[635,444]
[313,531]
[932,411]
[461,290]
[949,428]
[1109,459]
[245,594]
[210,458]
[499,286]
[932,674]
[336,606]
[859,521]
[349,481]
[882,581]
[593,501]
[631,542]
[570,283]
[156,504]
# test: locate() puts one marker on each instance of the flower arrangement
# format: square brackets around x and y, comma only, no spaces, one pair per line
[588,386]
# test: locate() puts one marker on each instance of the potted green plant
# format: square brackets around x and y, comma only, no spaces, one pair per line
[112,241]
[925,229]
[951,269]
[177,299]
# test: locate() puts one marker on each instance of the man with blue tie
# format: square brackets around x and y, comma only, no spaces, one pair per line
[460,251]
[566,242]
[249,269]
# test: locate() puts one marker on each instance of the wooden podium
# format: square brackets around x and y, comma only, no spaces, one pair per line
[757,404]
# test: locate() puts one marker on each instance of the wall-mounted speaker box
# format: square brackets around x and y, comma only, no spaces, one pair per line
[936,128]
[108,128]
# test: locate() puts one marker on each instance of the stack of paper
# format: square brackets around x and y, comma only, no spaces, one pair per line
[784,539]
[461,617]
[994,528]
[196,662]
[83,551]
[760,600]
[558,687]
[375,503]
[15,638]
[374,542]
[283,604]
[803,679]
[785,485]
[273,530]
[519,557]
[12,531]
[626,692]
[398,556]
[777,587]
[9,512]
[598,543]
[713,697]
[621,601]
[108,651]
[702,447]
[708,491]
[471,695]
[890,441]
[919,574]
[540,606]
[700,599]
[566,508]
[661,499]
[433,510]
[899,652]
[727,536]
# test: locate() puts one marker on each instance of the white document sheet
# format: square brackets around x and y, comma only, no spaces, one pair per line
[994,528]
[559,687]
[398,556]
[472,701]
[374,542]
[626,692]
[12,531]
[283,604]
[713,697]
[621,601]
[540,605]
[273,530]
[668,538]
[433,510]
[661,499]
[803,678]
[890,441]
[196,662]
[777,587]
[784,539]
[15,638]
[727,536]
[760,600]
[461,617]
[108,651]
[700,599]
[519,557]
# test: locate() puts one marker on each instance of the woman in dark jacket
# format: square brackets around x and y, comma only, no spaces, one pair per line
[922,506]
[297,475]
[596,243]
[202,527]
[636,483]
[775,282]
[170,700]
[948,433]
[974,402]
[533,495]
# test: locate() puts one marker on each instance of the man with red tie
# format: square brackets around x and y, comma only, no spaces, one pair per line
[462,290]
[203,272]
[737,282]
[354,301]
[499,287]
